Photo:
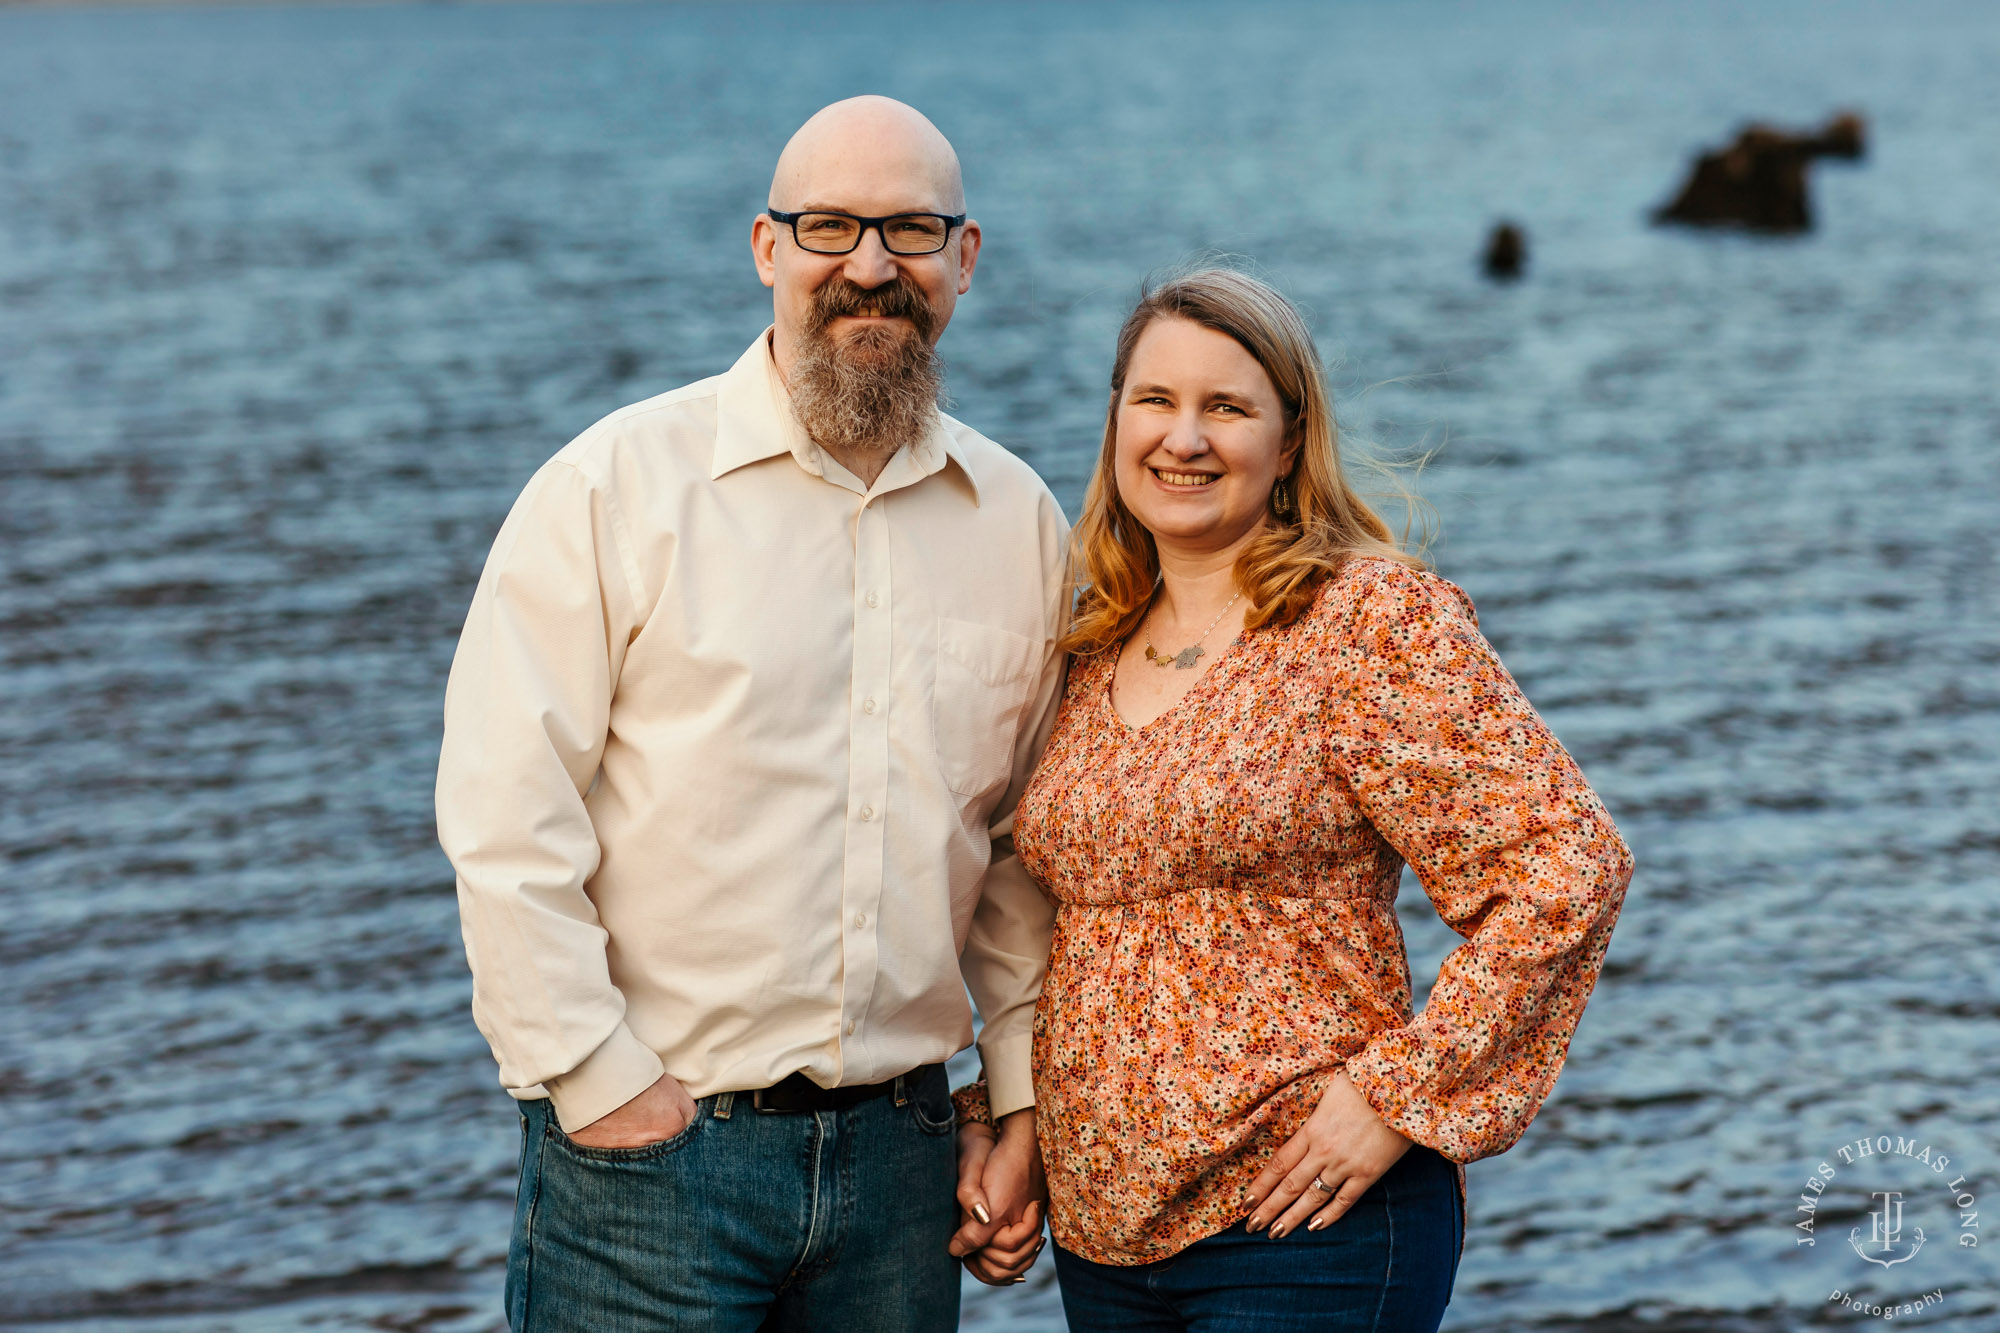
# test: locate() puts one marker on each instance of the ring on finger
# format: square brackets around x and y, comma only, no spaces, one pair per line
[1320,1185]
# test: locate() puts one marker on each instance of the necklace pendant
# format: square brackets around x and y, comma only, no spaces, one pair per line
[1184,659]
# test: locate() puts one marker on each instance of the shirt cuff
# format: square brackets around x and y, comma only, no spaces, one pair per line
[613,1074]
[1010,1080]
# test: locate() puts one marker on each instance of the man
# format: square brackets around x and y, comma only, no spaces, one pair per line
[749,688]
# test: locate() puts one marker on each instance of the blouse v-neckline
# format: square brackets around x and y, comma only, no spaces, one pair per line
[1229,654]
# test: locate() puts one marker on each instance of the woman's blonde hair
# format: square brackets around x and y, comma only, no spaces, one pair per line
[1117,565]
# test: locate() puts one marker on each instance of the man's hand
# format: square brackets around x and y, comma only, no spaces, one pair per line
[655,1115]
[1002,1196]
[1343,1145]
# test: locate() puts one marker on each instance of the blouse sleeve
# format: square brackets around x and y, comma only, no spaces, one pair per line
[1462,778]
[972,1104]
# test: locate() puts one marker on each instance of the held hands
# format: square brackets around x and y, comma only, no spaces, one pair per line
[1344,1144]
[1002,1196]
[654,1116]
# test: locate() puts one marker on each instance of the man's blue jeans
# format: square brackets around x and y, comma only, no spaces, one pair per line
[745,1220]
[1385,1266]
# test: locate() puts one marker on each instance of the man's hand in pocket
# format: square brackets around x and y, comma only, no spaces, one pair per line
[655,1115]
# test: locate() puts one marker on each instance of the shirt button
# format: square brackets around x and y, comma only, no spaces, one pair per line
[850,1028]
[867,813]
[873,600]
[868,705]
[860,920]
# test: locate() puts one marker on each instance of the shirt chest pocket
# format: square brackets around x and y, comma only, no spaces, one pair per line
[985,678]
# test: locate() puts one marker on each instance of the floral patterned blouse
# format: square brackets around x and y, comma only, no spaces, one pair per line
[1226,936]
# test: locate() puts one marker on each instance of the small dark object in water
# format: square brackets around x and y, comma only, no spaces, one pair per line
[1846,135]
[1759,181]
[1506,251]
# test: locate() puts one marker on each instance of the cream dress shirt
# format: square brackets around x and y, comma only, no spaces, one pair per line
[732,746]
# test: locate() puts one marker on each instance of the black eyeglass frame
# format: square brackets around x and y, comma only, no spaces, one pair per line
[791,220]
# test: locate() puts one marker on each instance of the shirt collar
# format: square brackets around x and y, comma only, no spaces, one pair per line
[754,422]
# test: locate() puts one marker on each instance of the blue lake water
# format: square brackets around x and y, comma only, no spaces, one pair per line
[292,301]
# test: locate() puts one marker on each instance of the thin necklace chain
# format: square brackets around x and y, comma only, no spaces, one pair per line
[1188,656]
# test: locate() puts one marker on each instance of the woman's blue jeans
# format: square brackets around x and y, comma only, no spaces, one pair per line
[745,1220]
[1385,1266]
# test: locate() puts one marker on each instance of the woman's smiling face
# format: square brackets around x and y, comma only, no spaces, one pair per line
[1200,437]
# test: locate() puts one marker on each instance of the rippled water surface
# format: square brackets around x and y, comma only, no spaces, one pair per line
[292,302]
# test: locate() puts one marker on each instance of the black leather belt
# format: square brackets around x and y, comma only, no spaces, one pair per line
[796,1092]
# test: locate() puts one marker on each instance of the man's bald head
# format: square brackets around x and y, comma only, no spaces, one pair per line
[872,148]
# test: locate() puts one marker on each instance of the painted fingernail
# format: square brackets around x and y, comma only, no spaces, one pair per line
[979,1211]
[1017,1280]
[1316,1224]
[1278,1231]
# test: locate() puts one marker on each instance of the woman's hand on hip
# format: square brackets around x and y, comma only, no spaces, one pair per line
[1344,1145]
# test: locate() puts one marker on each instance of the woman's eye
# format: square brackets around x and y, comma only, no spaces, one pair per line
[1229,407]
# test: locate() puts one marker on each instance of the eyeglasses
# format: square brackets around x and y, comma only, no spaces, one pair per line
[838,234]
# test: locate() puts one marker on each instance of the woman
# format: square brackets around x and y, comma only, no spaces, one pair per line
[1270,709]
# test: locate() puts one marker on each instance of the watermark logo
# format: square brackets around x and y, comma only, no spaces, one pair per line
[1907,1184]
[1887,1230]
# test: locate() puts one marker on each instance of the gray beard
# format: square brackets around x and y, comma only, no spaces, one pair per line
[873,395]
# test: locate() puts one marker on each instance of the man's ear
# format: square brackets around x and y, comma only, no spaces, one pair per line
[968,254]
[764,249]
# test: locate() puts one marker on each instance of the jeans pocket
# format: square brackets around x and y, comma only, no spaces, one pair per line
[930,1105]
[645,1152]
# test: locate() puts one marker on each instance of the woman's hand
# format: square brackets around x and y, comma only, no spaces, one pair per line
[1001,1198]
[1007,1257]
[1343,1144]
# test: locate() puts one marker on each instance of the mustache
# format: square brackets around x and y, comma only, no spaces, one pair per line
[898,298]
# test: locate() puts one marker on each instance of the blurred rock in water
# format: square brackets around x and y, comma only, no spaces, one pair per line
[1759,181]
[1506,251]
[1846,135]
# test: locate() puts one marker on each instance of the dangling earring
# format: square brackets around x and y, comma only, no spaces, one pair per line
[1281,500]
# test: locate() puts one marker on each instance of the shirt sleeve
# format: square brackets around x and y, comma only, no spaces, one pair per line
[526,712]
[1460,776]
[1006,953]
